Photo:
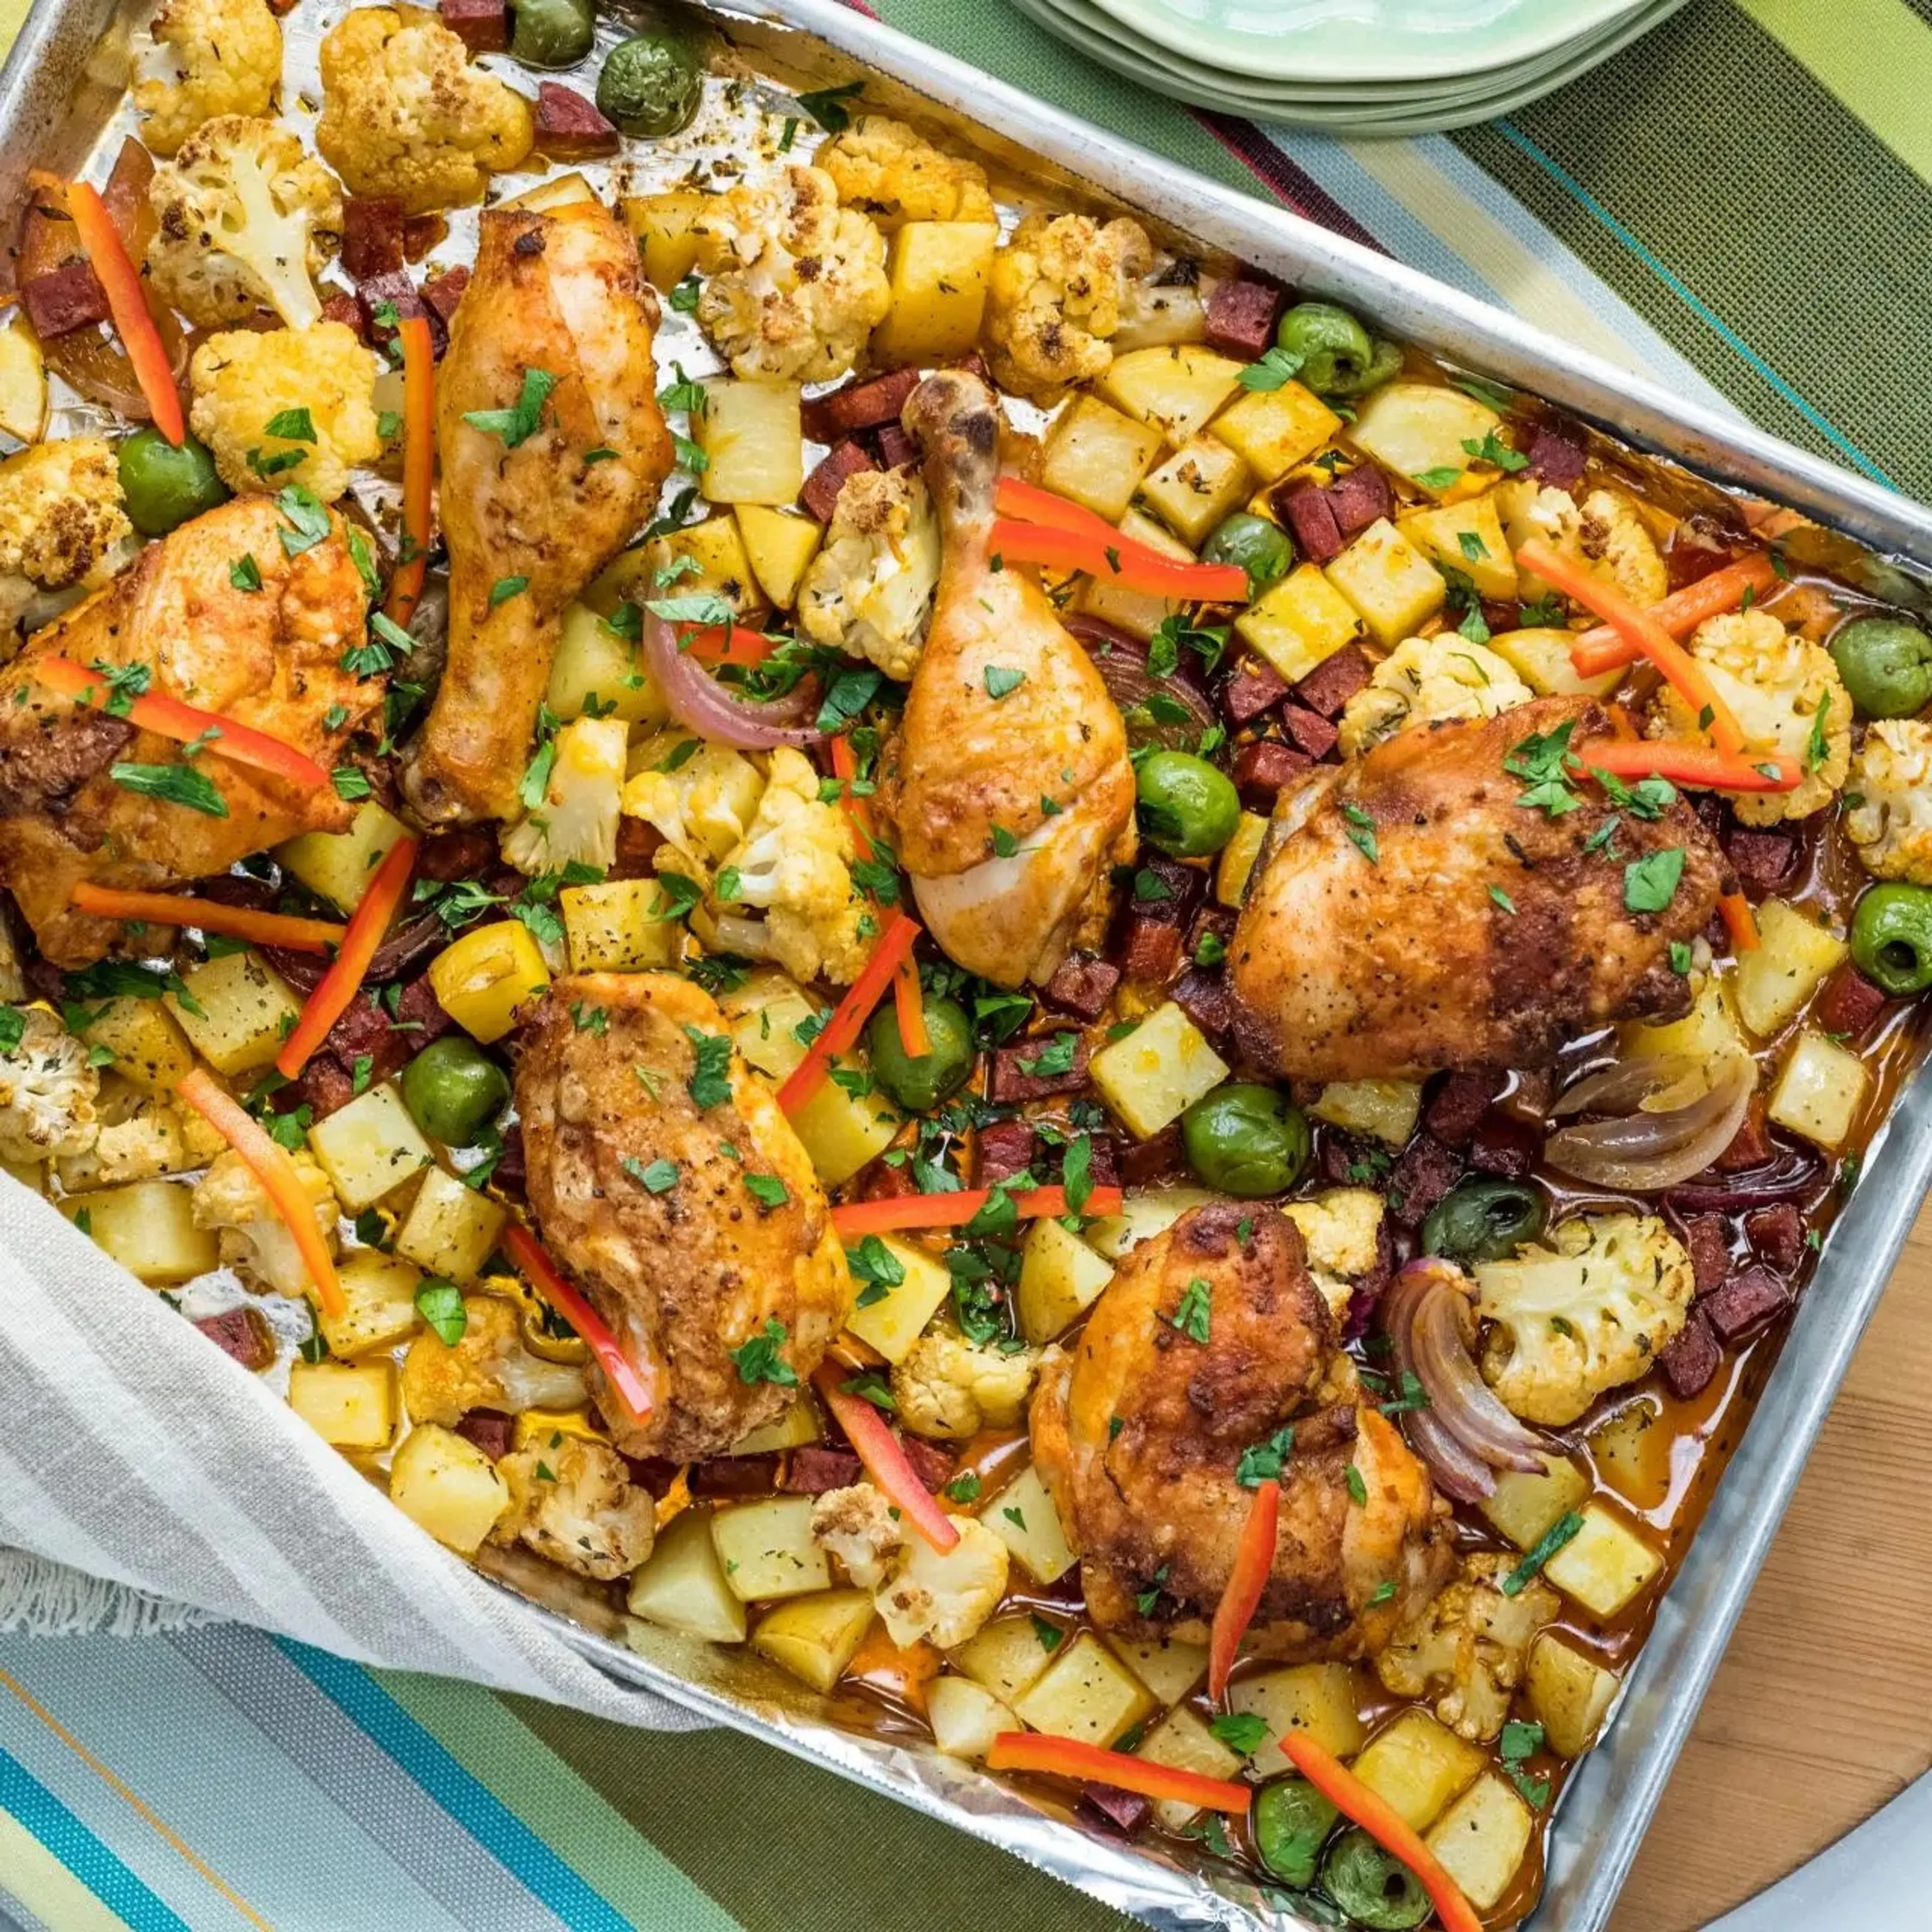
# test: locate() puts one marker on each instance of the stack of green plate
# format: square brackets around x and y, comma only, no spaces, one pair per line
[1362,68]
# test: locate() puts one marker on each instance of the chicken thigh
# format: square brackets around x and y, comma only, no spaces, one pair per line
[1210,1338]
[667,1184]
[553,448]
[1426,907]
[271,658]
[1008,730]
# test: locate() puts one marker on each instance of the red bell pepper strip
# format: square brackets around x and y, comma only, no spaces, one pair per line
[879,1450]
[1605,649]
[108,257]
[269,1161]
[259,928]
[1118,559]
[1689,764]
[1031,503]
[851,1013]
[1067,1757]
[380,902]
[170,718]
[726,644]
[1740,921]
[909,1008]
[1254,1562]
[851,1219]
[1379,1819]
[419,465]
[632,1386]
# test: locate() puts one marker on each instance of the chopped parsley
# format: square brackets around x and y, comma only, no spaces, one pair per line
[1680,956]
[1493,450]
[1261,1461]
[1361,832]
[505,588]
[1053,1060]
[350,782]
[1499,897]
[294,425]
[244,573]
[1520,1742]
[1817,747]
[1544,761]
[1192,1311]
[767,1189]
[660,1178]
[1650,883]
[874,1265]
[519,424]
[965,1489]
[440,1303]
[1051,1636]
[178,784]
[1358,1490]
[827,106]
[1276,366]
[759,1359]
[308,519]
[709,1084]
[1002,678]
[873,1388]
[1243,1731]
[1546,1547]
[1438,478]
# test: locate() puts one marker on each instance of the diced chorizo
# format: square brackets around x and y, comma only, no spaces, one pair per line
[63,300]
[569,127]
[814,1470]
[1261,769]
[820,496]
[483,26]
[1426,1172]
[1457,1107]
[1691,1357]
[1556,456]
[1032,1069]
[1707,1240]
[372,236]
[1306,509]
[1241,317]
[1359,498]
[1334,681]
[1777,1236]
[1251,689]
[1745,1300]
[1308,730]
[1850,1004]
[1002,1149]
[243,1334]
[1082,985]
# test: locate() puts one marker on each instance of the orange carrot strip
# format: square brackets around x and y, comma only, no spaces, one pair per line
[108,257]
[1118,559]
[1687,764]
[344,980]
[260,928]
[419,465]
[851,1219]
[1254,1561]
[269,1161]
[1067,1757]
[632,1386]
[1740,921]
[1604,649]
[1379,1819]
[845,770]
[851,1014]
[910,1009]
[881,1451]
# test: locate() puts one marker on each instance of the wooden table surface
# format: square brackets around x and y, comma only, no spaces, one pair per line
[1822,1710]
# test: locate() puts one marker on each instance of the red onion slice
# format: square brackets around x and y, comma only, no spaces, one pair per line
[1645,1153]
[697,700]
[1121,660]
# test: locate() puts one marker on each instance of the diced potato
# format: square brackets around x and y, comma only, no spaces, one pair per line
[1273,429]
[844,1131]
[1236,865]
[1541,659]
[1419,1767]
[246,1012]
[1096,456]
[1195,487]
[446,1485]
[1159,316]
[1632,1453]
[370,1147]
[609,927]
[1023,1517]
[1395,589]
[816,1637]
[350,1404]
[1168,1668]
[1182,1741]
[1060,1278]
[23,383]
[1086,1693]
[483,976]
[1323,1699]
[966,1717]
[753,442]
[1604,1564]
[1300,622]
[779,547]
[450,1229]
[938,271]
[1142,1217]
[682,1586]
[1479,1840]
[1709,1032]
[1524,1507]
[1570,1695]
[1418,430]
[766,1013]
[1794,955]
[1466,536]
[546,1428]
[798,1425]
[767,1550]
[1135,612]
[889,1319]
[1821,1090]
[669,227]
[147,1227]
[1158,1071]
[379,1295]
[595,670]
[723,571]
[1388,1109]
[149,1052]
[1176,389]
[553,192]
[340,865]
[1005,1657]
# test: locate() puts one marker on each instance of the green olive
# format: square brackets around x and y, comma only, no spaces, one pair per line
[919,1082]
[1887,666]
[1336,353]
[1291,1823]
[553,33]
[1891,938]
[454,1090]
[1483,1221]
[1386,362]
[1188,808]
[652,84]
[1245,1139]
[1372,1886]
[1262,548]
[164,486]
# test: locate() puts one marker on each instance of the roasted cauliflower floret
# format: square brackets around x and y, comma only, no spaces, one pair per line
[573,1502]
[1342,1229]
[61,511]
[574,819]
[870,588]
[243,219]
[1469,1649]
[250,1235]
[139,1141]
[1429,681]
[702,801]
[1889,793]
[1055,298]
[488,1368]
[47,1092]
[885,170]
[225,57]
[319,380]
[856,1525]
[952,1388]
[1788,699]
[404,112]
[1606,535]
[944,1599]
[1585,1312]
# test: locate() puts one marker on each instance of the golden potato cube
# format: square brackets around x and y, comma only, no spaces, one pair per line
[1175,388]
[1526,1507]
[1394,588]
[682,1586]
[1570,1695]
[1161,316]
[798,1425]
[1466,536]
[148,1226]
[446,1485]
[1387,1109]
[150,1052]
[1540,657]
[1060,1278]
[1604,1564]
[1023,1517]
[610,928]
[1273,429]
[1299,623]
[1419,1767]
[483,976]
[1418,430]
[1821,1090]
[379,1296]
[1236,865]
[1323,1699]
[1182,1741]
[752,440]
[1709,1032]
[844,1131]
[715,547]
[1632,1453]
[553,192]
[780,547]
[450,1229]
[1086,1693]
[1794,955]
[1142,1217]
[1168,1668]
[596,671]
[1007,1657]
[23,383]
[1195,487]
[1479,1840]
[370,1147]
[938,271]
[890,1318]
[766,1013]
[246,1012]
[767,1549]
[340,865]
[816,1637]
[1097,457]
[670,229]
[965,1717]
[1158,1071]
[350,1404]
[1135,612]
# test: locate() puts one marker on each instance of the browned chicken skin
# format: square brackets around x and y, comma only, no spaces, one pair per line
[562,293]
[271,658]
[1139,1430]
[688,1273]
[970,762]
[1345,968]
